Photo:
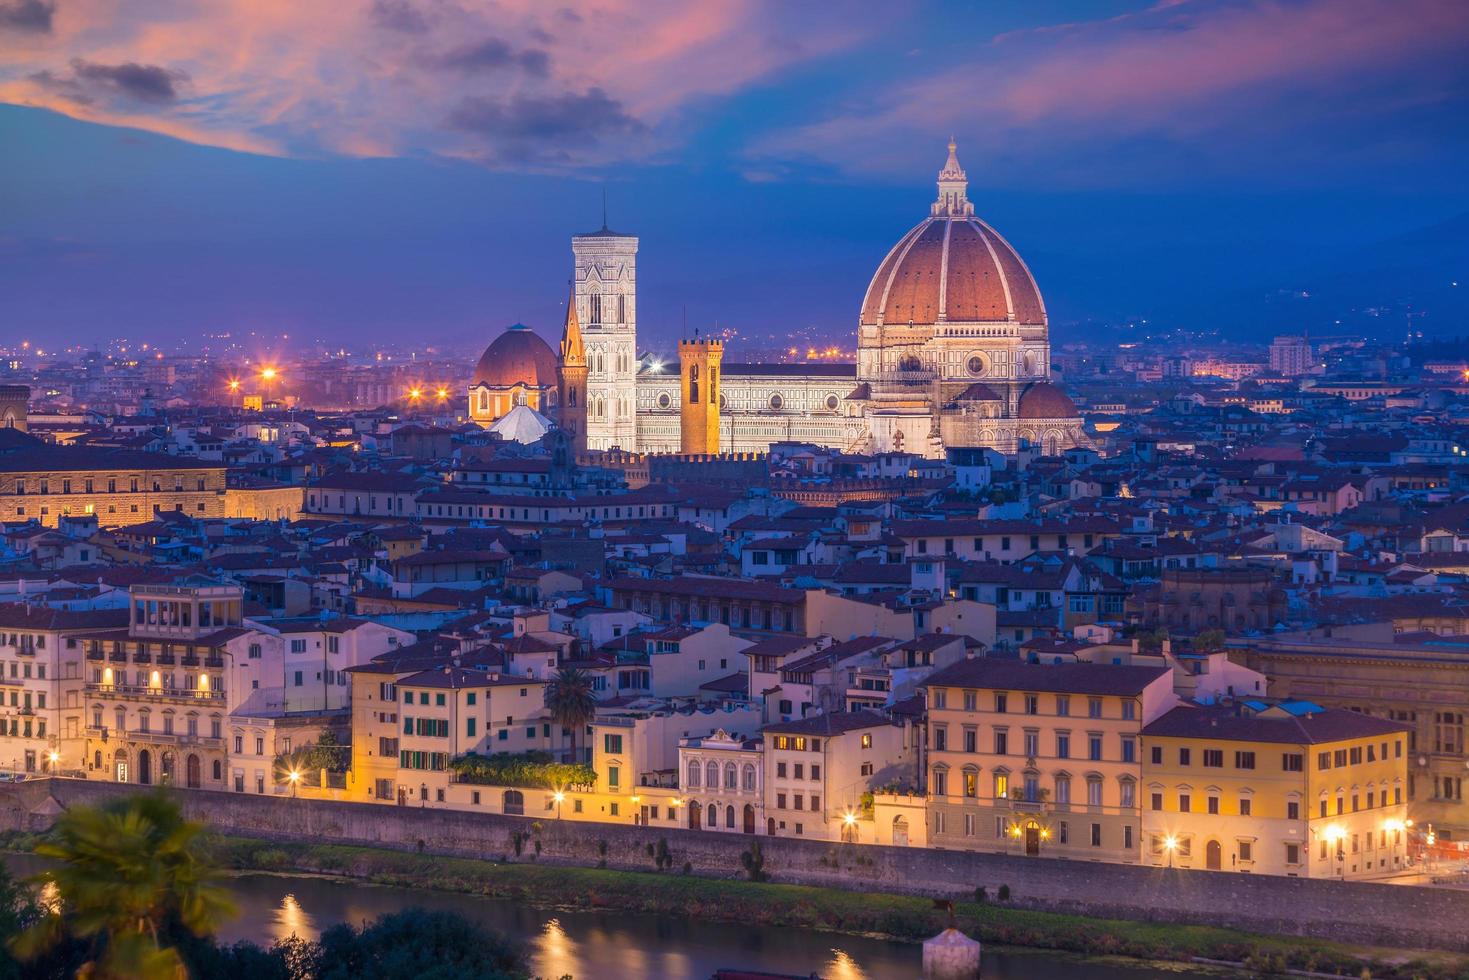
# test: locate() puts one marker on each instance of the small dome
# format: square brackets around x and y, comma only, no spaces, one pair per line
[1044,400]
[522,424]
[517,356]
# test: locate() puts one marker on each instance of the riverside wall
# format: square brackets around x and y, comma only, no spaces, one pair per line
[1355,912]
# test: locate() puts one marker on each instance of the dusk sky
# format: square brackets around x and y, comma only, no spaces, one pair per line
[412,170]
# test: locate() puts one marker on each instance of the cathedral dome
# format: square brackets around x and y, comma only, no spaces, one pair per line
[517,356]
[1043,400]
[953,268]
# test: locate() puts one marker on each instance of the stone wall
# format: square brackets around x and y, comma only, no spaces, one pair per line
[1357,912]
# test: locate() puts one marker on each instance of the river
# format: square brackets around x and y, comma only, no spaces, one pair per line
[617,945]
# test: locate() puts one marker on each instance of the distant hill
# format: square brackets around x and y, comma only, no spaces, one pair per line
[1379,290]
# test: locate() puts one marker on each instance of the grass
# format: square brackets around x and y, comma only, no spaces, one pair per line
[827,909]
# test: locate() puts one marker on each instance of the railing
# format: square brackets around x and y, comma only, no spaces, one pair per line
[176,693]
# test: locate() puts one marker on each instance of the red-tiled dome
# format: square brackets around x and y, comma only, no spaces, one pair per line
[952,268]
[956,266]
[1043,400]
[517,356]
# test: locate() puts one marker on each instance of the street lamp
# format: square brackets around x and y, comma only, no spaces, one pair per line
[294,777]
[849,827]
[52,758]
[1170,844]
[442,394]
[560,798]
[414,394]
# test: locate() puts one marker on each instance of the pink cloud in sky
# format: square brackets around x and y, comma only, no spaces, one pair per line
[514,82]
[1178,69]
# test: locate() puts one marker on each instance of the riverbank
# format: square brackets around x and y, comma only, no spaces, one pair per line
[823,909]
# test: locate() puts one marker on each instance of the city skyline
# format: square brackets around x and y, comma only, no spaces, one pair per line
[765,183]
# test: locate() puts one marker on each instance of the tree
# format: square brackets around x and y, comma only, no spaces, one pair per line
[572,702]
[418,944]
[129,873]
[1210,641]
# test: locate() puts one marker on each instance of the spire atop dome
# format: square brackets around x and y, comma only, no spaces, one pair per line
[953,200]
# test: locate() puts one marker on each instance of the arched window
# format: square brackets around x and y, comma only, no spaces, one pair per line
[1094,791]
[1128,790]
[749,778]
[513,802]
[731,776]
[1063,789]
[971,781]
[729,820]
[694,771]
[711,775]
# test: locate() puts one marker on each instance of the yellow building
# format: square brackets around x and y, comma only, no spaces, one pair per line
[1284,788]
[408,723]
[118,486]
[1042,760]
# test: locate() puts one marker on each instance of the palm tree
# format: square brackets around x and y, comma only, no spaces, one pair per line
[129,870]
[572,701]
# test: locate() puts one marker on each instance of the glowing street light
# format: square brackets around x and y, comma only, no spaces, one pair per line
[1170,844]
[234,384]
[268,374]
[414,394]
[441,394]
[53,757]
[560,798]
[294,777]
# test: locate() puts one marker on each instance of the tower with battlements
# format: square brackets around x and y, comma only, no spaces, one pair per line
[699,366]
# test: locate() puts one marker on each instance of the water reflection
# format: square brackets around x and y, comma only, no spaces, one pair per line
[290,919]
[614,945]
[843,967]
[555,952]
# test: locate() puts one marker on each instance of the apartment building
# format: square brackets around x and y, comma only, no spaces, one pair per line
[1040,760]
[41,684]
[1285,788]
[155,693]
[817,770]
[408,723]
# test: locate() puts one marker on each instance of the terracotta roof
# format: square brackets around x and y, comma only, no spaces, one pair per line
[1225,724]
[959,266]
[1081,678]
[1043,400]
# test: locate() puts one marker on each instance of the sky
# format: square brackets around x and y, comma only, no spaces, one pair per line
[377,171]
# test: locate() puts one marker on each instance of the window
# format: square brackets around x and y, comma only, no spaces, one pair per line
[1063,745]
[1129,750]
[1157,801]
[1094,747]
[1292,854]
[940,782]
[1157,755]
[1094,707]
[1213,758]
[1032,704]
[1096,835]
[1244,760]
[1002,700]
[1093,792]
[1184,757]
[1246,851]
[1183,803]
[1063,705]
[1002,786]
[1002,742]
[1213,804]
[1245,806]
[1292,762]
[1032,743]
[1293,810]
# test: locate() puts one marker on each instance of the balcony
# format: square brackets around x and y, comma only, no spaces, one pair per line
[157,693]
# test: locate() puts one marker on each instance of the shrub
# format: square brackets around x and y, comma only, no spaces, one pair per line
[1003,893]
[981,895]
[753,861]
[270,859]
[531,770]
